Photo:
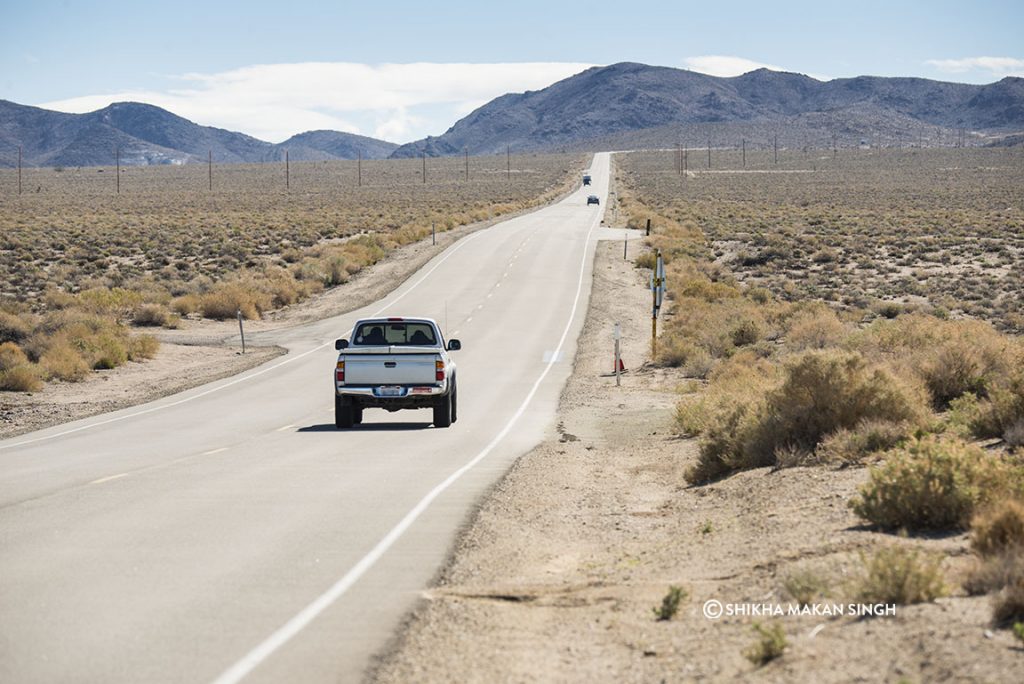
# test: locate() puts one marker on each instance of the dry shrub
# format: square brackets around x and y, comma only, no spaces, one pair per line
[1002,415]
[824,391]
[13,328]
[998,528]
[992,573]
[1008,603]
[951,357]
[11,355]
[150,315]
[142,347]
[20,378]
[866,438]
[226,300]
[115,301]
[771,643]
[106,351]
[902,576]
[61,361]
[933,484]
[816,327]
[727,415]
[186,304]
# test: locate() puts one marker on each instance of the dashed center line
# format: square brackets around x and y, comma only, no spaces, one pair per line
[286,427]
[211,452]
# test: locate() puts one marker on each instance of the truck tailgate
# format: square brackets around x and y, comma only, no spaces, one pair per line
[390,369]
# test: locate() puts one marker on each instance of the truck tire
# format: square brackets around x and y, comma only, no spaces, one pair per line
[443,411]
[357,415]
[344,415]
[455,402]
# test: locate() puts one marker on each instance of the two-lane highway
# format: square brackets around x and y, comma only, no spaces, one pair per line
[230,532]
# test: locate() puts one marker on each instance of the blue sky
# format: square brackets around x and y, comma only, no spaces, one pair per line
[401,70]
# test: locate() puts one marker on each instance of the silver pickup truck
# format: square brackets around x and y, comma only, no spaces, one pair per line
[394,363]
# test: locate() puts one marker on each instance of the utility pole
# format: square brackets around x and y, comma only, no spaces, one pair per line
[744,153]
[508,163]
[287,172]
[19,169]
[709,151]
[117,168]
[835,146]
[776,148]
[686,163]
[465,152]
[359,169]
[209,167]
[424,155]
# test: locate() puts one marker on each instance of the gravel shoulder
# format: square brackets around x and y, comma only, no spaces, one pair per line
[556,575]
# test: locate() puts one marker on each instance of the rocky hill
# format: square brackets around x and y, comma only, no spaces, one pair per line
[145,134]
[658,105]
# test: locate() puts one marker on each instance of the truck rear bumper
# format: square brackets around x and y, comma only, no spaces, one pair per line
[414,396]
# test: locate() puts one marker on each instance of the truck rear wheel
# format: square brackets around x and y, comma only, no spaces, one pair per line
[443,411]
[455,402]
[344,414]
[357,415]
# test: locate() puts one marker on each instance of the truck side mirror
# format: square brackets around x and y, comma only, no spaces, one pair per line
[454,345]
[340,344]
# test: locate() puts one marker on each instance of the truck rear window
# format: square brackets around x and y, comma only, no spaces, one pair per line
[410,334]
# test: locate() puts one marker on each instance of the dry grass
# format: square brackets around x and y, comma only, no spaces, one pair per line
[902,576]
[168,247]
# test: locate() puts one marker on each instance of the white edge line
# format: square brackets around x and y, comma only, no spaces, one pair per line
[109,478]
[244,378]
[295,625]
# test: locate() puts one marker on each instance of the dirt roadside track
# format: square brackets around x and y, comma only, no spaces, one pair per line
[556,576]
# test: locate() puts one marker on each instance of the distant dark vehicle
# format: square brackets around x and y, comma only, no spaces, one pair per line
[593,200]
[586,180]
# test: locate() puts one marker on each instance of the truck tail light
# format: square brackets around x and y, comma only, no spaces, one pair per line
[339,374]
[439,370]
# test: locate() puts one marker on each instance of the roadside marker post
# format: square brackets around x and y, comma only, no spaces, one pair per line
[241,330]
[618,357]
[657,295]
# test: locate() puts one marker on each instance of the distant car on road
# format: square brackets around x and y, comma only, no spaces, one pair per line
[586,179]
[394,363]
[593,199]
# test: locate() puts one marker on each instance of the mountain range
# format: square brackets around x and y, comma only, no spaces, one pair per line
[621,106]
[145,134]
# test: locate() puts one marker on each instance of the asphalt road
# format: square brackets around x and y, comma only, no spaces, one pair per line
[230,533]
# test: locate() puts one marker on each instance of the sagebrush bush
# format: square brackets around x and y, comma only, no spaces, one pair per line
[13,328]
[20,378]
[814,328]
[866,438]
[999,527]
[150,315]
[142,347]
[771,643]
[61,361]
[226,300]
[727,416]
[933,484]
[900,575]
[824,391]
[11,355]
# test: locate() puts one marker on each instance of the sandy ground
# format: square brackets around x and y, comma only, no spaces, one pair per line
[556,576]
[202,351]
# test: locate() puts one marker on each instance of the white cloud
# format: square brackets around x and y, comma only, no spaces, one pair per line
[997,66]
[725,65]
[400,101]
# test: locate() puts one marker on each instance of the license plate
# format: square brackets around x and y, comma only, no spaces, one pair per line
[390,391]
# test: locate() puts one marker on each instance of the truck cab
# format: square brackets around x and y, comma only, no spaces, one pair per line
[395,363]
